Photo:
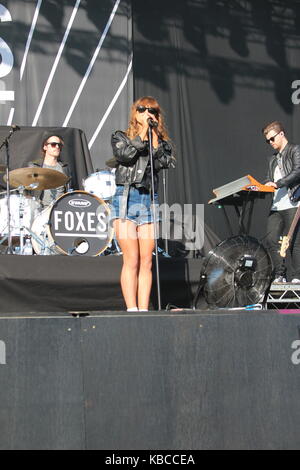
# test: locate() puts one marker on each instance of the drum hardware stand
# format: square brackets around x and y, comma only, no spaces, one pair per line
[5,237]
[11,190]
[115,247]
[23,227]
[164,172]
[41,241]
[112,249]
[21,214]
[6,144]
[152,124]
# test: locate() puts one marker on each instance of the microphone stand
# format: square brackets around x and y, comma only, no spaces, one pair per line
[150,125]
[6,144]
[165,207]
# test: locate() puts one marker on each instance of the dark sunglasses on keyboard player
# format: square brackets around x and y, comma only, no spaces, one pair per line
[142,109]
[272,139]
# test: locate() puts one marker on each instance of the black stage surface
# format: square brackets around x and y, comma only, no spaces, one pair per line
[169,380]
[162,380]
[81,283]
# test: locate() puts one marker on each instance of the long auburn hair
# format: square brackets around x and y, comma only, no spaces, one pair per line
[133,127]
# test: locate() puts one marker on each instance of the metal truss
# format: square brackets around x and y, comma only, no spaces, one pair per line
[286,295]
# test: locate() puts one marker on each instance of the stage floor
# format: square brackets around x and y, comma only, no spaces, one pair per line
[156,380]
[79,372]
[37,284]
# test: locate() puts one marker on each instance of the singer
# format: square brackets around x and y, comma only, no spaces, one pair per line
[132,212]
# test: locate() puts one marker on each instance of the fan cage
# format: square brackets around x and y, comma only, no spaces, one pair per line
[237,273]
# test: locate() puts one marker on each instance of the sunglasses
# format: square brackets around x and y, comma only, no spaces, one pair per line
[54,144]
[142,109]
[272,139]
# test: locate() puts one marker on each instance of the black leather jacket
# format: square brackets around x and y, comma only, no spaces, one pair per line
[133,156]
[291,169]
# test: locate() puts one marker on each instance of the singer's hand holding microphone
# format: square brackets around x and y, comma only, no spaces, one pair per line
[147,121]
[151,122]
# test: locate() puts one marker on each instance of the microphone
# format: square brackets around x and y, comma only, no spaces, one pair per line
[14,127]
[152,123]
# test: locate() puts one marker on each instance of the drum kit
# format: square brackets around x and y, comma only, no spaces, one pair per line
[76,223]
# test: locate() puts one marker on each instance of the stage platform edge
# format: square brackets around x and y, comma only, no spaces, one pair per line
[62,283]
[158,380]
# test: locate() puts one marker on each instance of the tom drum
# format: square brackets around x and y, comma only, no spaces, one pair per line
[101,183]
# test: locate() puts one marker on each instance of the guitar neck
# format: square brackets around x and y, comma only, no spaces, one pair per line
[294,223]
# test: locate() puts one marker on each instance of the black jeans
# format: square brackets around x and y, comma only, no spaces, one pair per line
[279,223]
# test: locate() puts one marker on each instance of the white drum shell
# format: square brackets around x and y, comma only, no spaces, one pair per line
[30,207]
[101,183]
[42,242]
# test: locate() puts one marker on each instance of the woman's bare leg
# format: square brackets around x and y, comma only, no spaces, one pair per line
[126,233]
[146,247]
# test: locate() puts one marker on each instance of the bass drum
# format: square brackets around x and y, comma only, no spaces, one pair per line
[102,184]
[78,223]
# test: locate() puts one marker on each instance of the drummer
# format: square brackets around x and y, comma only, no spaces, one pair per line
[51,158]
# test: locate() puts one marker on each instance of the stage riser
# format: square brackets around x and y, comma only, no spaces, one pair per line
[64,283]
[172,381]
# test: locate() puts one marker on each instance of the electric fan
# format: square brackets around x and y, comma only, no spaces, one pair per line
[236,273]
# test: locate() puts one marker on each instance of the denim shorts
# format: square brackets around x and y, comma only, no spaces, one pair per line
[139,204]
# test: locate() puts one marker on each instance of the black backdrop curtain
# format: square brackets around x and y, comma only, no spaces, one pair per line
[221,70]
[67,63]
[25,146]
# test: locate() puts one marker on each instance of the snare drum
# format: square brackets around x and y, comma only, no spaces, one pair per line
[76,224]
[102,184]
[26,205]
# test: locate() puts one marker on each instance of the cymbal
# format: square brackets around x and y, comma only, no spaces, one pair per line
[45,178]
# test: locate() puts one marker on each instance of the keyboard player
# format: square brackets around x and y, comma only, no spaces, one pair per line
[284,177]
